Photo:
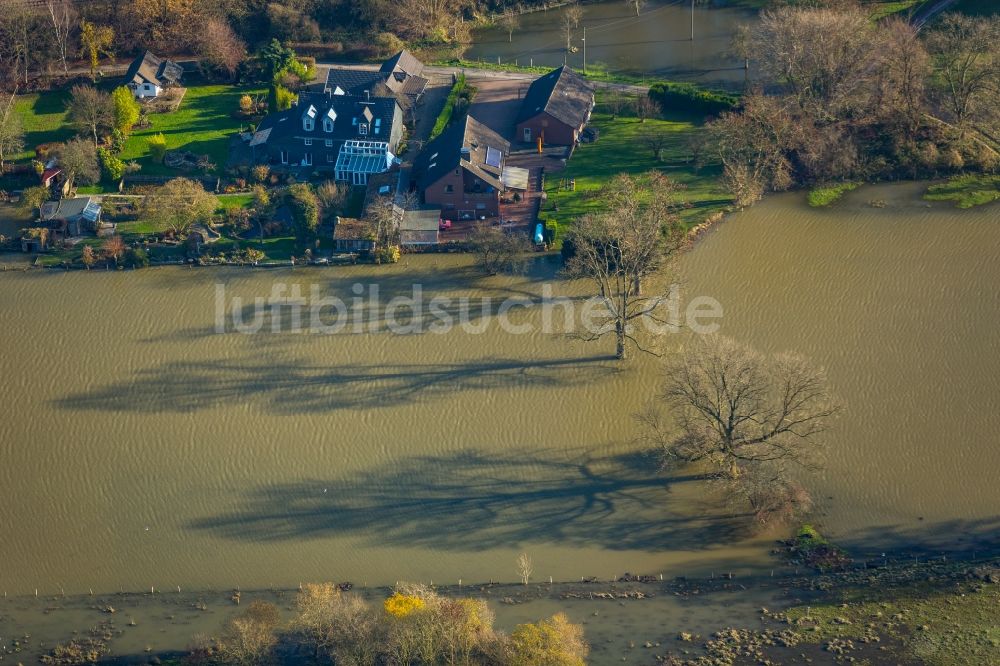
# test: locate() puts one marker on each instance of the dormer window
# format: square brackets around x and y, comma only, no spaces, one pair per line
[328,119]
[378,125]
[309,119]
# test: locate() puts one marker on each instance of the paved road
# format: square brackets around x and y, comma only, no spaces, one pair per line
[446,72]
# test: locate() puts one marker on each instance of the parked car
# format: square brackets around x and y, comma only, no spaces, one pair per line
[444,225]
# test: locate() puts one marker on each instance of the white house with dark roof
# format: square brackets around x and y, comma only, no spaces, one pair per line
[149,74]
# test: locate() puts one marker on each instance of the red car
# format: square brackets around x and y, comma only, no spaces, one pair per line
[444,225]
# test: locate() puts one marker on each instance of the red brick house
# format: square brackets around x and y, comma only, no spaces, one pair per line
[556,108]
[461,171]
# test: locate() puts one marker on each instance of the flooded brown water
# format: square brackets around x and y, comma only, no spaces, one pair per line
[656,43]
[141,448]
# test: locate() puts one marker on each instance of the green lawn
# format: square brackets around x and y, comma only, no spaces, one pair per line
[44,119]
[966,191]
[202,125]
[621,148]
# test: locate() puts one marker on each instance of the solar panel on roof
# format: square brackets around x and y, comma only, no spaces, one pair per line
[493,157]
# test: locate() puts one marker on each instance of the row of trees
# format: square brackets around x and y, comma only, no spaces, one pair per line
[861,100]
[48,36]
[415,625]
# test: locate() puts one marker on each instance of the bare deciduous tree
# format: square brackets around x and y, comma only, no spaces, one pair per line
[338,624]
[179,204]
[91,110]
[753,146]
[572,14]
[968,60]
[11,131]
[823,56]
[88,257]
[113,248]
[645,107]
[63,18]
[495,249]
[749,418]
[219,47]
[618,249]
[510,22]
[905,67]
[524,568]
[249,638]
[78,159]
[656,141]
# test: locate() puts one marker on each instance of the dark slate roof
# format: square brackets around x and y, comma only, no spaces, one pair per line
[445,153]
[153,69]
[352,81]
[562,93]
[405,62]
[379,84]
[349,110]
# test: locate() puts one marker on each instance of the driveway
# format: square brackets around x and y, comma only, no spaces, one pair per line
[497,103]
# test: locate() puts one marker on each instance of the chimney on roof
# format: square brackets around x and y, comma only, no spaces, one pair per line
[466,153]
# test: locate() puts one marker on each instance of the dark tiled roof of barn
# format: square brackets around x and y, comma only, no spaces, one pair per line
[562,93]
[404,61]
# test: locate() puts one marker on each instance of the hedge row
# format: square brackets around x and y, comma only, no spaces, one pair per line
[689,97]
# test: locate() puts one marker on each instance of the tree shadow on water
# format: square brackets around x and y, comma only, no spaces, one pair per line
[292,386]
[472,500]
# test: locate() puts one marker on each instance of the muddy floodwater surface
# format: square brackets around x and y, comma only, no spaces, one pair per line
[141,447]
[656,43]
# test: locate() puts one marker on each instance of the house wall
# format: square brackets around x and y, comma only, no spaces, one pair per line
[556,132]
[452,203]
[146,90]
[396,135]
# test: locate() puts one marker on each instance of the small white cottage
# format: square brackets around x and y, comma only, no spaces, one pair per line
[149,74]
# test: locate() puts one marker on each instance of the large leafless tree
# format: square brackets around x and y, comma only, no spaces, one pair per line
[619,248]
[751,419]
[91,110]
[967,52]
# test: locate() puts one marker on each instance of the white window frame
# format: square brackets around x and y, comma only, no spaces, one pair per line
[307,142]
[307,159]
[284,157]
[329,143]
[363,129]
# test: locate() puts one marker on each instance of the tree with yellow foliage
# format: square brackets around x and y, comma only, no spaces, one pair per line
[96,41]
[552,642]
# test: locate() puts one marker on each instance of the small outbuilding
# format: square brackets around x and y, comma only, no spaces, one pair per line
[80,214]
[352,235]
[419,227]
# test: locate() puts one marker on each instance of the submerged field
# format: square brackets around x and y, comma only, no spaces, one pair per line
[148,443]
